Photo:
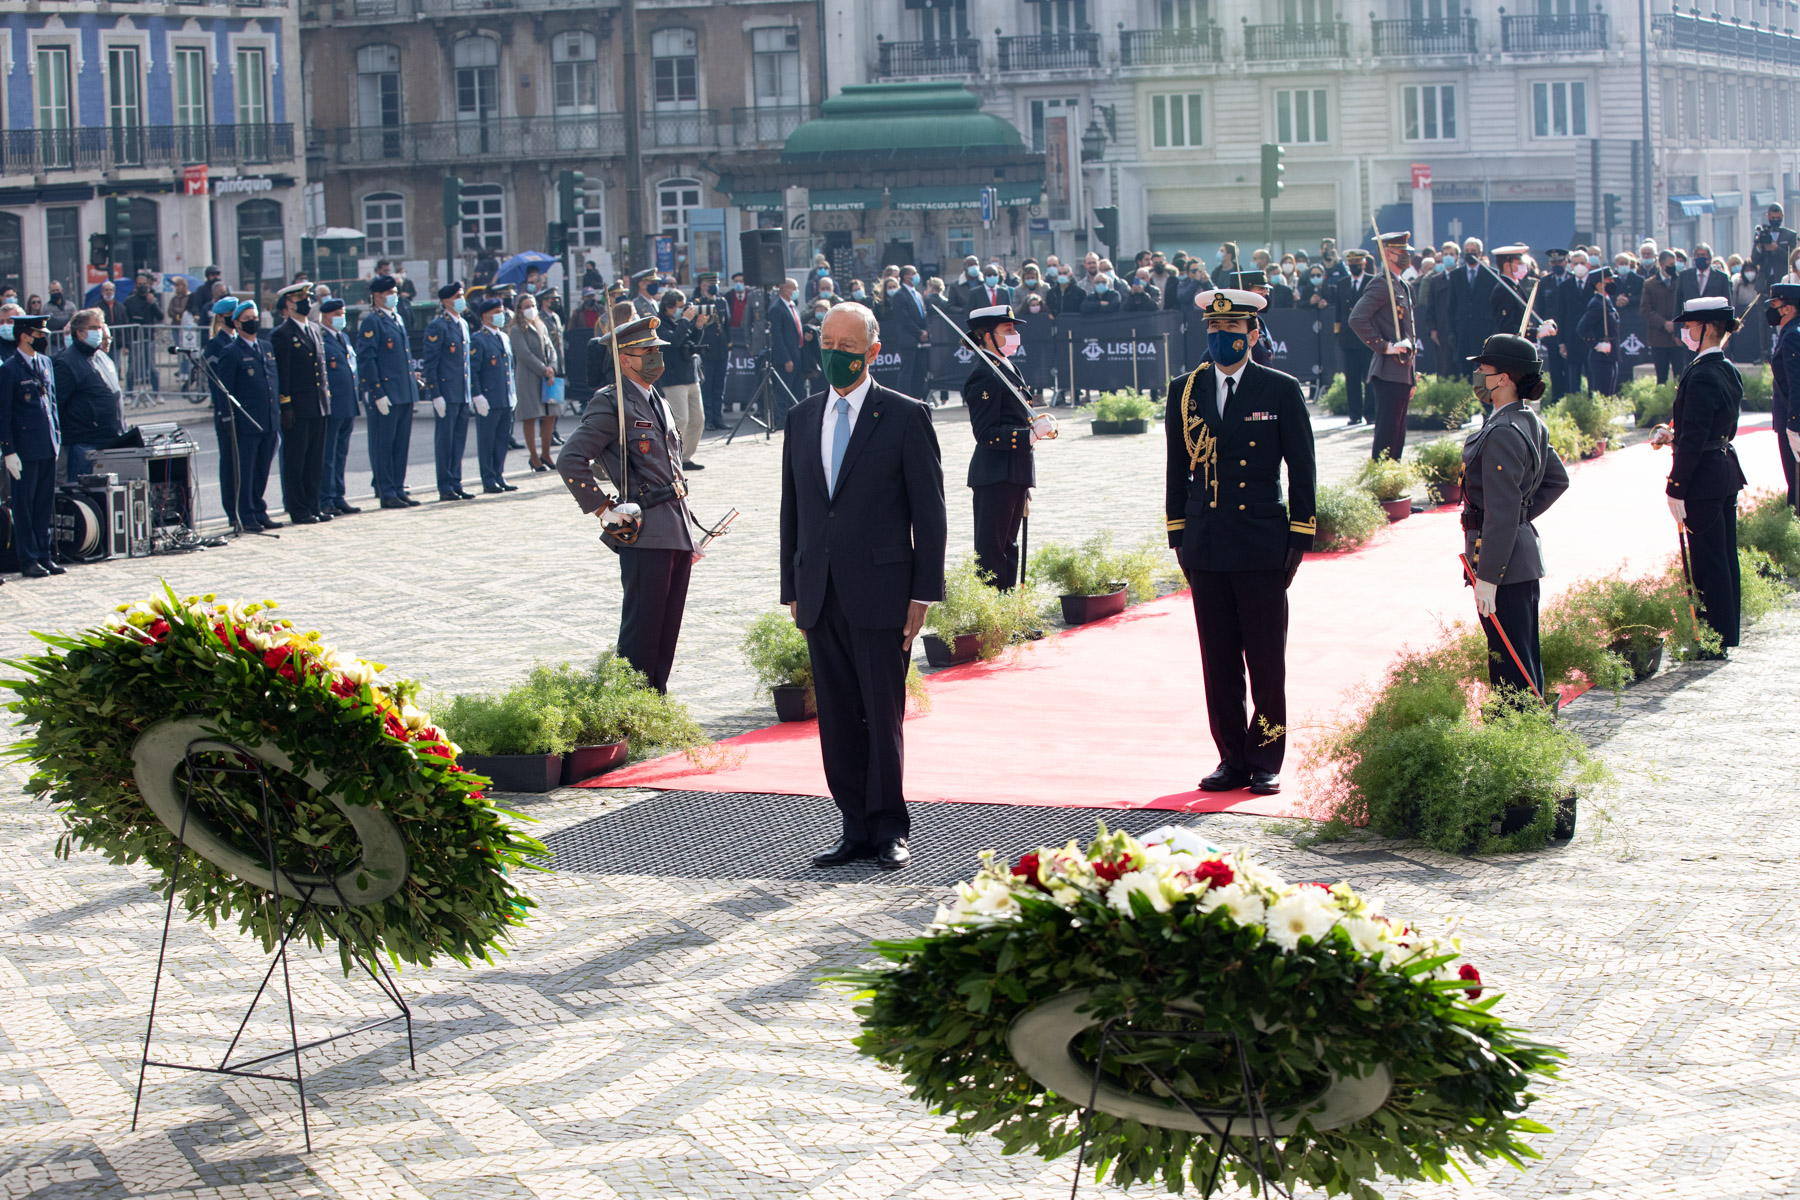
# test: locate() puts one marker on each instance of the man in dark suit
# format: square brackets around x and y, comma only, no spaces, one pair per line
[990,292]
[904,329]
[1350,289]
[1702,279]
[89,401]
[960,290]
[1232,425]
[1001,471]
[1560,297]
[30,438]
[299,351]
[1471,307]
[862,559]
[786,337]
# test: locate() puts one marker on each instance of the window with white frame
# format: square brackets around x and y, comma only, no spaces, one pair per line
[384,224]
[190,103]
[959,242]
[675,198]
[55,111]
[1559,109]
[1300,115]
[675,65]
[125,105]
[775,65]
[253,104]
[1428,112]
[1175,121]
[378,86]
[573,69]
[483,217]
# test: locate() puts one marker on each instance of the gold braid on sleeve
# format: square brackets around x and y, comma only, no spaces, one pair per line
[1202,446]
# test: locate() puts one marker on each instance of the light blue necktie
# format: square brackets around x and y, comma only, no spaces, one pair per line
[840,441]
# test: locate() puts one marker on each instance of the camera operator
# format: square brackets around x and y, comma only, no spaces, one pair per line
[1771,248]
[715,350]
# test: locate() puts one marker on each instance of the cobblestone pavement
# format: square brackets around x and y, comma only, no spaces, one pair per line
[665,1037]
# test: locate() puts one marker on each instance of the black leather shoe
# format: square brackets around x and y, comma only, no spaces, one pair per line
[516,444]
[390,502]
[266,523]
[306,519]
[844,851]
[410,502]
[492,491]
[322,516]
[1225,779]
[509,487]
[1265,783]
[462,495]
[693,466]
[346,510]
[893,855]
[31,570]
[54,568]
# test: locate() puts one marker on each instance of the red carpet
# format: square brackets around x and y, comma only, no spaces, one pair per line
[1112,715]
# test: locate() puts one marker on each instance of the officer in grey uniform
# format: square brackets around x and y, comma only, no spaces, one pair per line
[1510,476]
[656,552]
[1394,370]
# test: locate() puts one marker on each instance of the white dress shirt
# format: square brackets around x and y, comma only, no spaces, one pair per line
[855,396]
[1223,380]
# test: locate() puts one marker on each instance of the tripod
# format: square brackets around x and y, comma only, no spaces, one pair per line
[210,382]
[764,397]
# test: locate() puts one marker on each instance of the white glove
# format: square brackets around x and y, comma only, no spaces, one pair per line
[382,404]
[618,514]
[1604,347]
[1043,425]
[1484,597]
[1400,347]
[1794,442]
[15,466]
[1547,329]
[438,406]
[1661,436]
[481,406]
[1679,509]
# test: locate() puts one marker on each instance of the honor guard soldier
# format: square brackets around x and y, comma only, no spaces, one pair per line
[1563,299]
[643,299]
[340,374]
[298,348]
[1001,471]
[30,439]
[491,372]
[1232,426]
[1784,367]
[1510,476]
[1257,283]
[246,369]
[1513,292]
[656,549]
[1598,330]
[1705,478]
[1385,319]
[446,364]
[389,390]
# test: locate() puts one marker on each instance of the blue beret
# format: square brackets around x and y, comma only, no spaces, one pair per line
[382,283]
[225,307]
[488,304]
[332,305]
[243,307]
[450,289]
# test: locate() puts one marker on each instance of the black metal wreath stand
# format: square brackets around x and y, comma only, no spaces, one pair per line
[271,810]
[1113,1034]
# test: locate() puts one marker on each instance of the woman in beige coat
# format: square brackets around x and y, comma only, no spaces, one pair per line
[534,356]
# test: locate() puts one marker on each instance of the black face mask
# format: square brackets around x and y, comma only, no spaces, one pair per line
[1669,270]
[1356,268]
[303,307]
[1775,221]
[250,326]
[1472,259]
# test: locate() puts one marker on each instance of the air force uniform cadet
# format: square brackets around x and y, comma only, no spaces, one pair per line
[298,347]
[495,394]
[30,439]
[1001,471]
[385,377]
[246,369]
[446,364]
[1232,425]
[340,374]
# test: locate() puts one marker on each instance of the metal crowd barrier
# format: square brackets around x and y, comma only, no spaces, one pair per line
[149,374]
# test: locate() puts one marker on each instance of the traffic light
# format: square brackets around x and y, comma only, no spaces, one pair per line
[1106,227]
[1272,170]
[99,250]
[452,200]
[569,187]
[1611,203]
[557,237]
[118,229]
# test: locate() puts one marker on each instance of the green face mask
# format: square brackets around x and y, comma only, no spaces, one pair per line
[842,367]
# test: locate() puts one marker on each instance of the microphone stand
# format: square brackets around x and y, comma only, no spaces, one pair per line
[211,381]
[764,399]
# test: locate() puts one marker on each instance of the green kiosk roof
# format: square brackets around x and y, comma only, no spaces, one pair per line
[871,122]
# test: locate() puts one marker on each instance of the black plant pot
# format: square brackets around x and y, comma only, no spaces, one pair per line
[585,762]
[1643,666]
[795,703]
[1429,421]
[1517,817]
[939,653]
[1565,818]
[1106,427]
[517,772]
[1079,610]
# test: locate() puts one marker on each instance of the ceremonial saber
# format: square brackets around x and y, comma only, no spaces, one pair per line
[1381,254]
[624,534]
[1504,640]
[1529,305]
[1025,542]
[1687,577]
[983,355]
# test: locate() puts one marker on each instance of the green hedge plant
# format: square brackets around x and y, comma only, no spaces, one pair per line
[1766,524]
[1439,464]
[1348,517]
[776,650]
[1096,567]
[557,708]
[1335,399]
[1565,436]
[1126,406]
[1592,413]
[973,605]
[1759,388]
[1444,400]
[1650,403]
[1387,478]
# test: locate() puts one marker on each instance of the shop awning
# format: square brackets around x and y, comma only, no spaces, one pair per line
[1012,195]
[1724,201]
[1760,201]
[759,201]
[1692,206]
[843,199]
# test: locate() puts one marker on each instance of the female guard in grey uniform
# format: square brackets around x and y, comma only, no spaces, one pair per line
[1510,476]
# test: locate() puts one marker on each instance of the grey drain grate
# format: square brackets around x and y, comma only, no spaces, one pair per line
[753,835]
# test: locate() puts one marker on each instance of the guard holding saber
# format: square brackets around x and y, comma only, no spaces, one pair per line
[1002,471]
[1518,306]
[1385,319]
[1510,476]
[636,444]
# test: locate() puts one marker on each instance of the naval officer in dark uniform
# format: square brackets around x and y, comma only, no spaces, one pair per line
[1394,362]
[1001,471]
[1232,425]
[30,438]
[654,566]
[1784,369]
[1510,476]
[298,347]
[1705,478]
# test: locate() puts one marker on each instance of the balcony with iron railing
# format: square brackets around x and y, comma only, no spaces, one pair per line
[1414,37]
[1050,52]
[1552,33]
[128,147]
[945,56]
[586,135]
[768,125]
[1171,47]
[1321,39]
[1720,38]
[319,12]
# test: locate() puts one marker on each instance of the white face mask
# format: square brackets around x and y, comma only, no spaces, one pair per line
[1009,345]
[1688,339]
[1580,270]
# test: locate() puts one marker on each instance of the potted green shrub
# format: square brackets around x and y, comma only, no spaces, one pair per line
[616,715]
[1123,412]
[1391,482]
[1649,402]
[975,619]
[1439,465]
[1759,389]
[1441,402]
[517,738]
[1636,615]
[1347,517]
[1335,399]
[776,651]
[1566,437]
[1766,524]
[1095,580]
[1593,414]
